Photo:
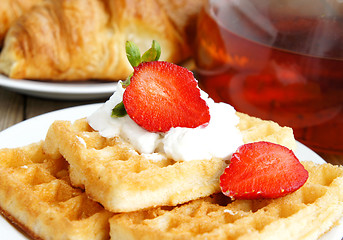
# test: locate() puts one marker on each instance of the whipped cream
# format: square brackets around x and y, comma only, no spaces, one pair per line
[217,139]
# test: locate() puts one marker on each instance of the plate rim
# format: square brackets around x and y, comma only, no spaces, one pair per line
[59,90]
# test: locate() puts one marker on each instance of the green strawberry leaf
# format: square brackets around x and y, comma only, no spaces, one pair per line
[133,54]
[152,54]
[119,110]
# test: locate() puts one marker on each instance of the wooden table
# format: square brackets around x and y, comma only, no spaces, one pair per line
[15,108]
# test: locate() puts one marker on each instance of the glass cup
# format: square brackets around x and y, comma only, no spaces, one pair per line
[279,60]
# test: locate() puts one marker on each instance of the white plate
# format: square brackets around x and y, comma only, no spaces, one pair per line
[34,129]
[60,90]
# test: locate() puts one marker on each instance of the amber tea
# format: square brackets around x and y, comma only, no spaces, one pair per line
[283,67]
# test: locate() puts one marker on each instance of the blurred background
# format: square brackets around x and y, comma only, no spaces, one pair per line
[276,60]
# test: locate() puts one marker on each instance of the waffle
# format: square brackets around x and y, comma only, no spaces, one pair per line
[255,129]
[122,180]
[304,214]
[36,195]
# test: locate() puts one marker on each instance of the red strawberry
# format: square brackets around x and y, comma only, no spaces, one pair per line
[162,95]
[262,170]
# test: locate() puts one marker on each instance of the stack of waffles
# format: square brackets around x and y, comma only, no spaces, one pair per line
[77,184]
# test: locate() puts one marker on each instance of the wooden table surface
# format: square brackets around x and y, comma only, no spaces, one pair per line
[15,108]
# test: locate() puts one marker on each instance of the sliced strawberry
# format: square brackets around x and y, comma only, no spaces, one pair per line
[262,170]
[162,95]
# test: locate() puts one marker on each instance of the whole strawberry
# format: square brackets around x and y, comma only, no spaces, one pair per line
[161,95]
[262,170]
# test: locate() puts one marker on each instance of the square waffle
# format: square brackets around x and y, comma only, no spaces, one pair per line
[114,174]
[305,214]
[36,195]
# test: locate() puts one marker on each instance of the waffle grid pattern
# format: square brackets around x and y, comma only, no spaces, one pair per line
[35,193]
[305,214]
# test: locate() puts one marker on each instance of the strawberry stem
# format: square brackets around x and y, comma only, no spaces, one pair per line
[127,82]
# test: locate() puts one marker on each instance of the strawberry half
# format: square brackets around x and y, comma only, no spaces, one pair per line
[262,170]
[162,95]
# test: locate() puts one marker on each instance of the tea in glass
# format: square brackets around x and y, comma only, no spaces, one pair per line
[277,60]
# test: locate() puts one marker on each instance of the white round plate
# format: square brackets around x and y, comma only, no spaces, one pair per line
[35,129]
[86,90]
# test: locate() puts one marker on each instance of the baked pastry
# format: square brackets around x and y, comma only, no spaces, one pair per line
[114,174]
[307,213]
[10,10]
[36,194]
[85,39]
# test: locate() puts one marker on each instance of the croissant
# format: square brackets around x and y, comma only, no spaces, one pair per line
[10,10]
[65,40]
